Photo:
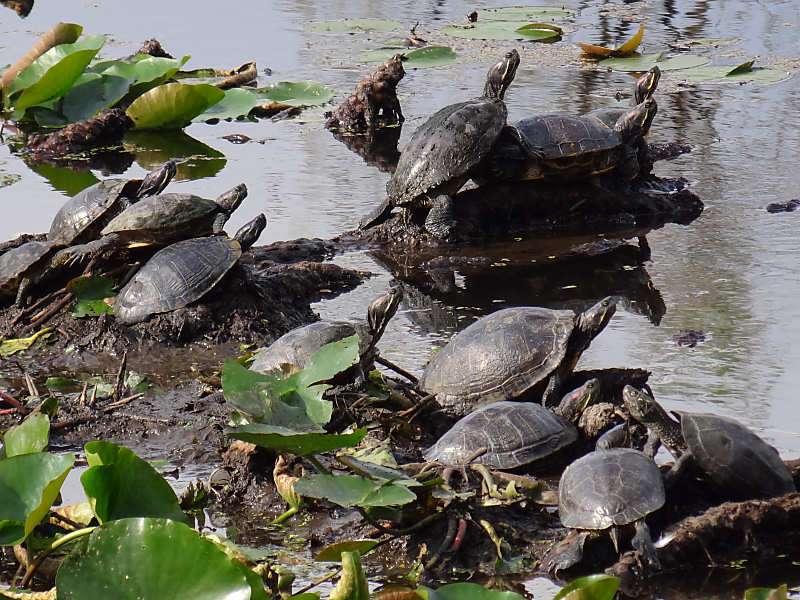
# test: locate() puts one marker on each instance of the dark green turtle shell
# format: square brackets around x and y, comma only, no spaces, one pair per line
[297,346]
[20,261]
[176,276]
[498,357]
[513,433]
[609,487]
[735,458]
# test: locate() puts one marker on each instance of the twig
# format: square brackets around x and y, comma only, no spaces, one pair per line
[399,370]
[417,408]
[45,315]
[40,302]
[31,386]
[82,396]
[93,397]
[116,392]
[123,402]
[71,422]
[314,584]
[13,402]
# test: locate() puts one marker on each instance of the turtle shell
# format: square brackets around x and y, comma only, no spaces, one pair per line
[175,276]
[297,346]
[735,458]
[513,433]
[19,261]
[609,487]
[498,357]
[446,148]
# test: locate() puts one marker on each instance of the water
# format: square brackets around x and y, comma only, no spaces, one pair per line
[731,273]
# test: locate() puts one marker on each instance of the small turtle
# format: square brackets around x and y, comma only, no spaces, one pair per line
[604,491]
[443,152]
[643,89]
[182,273]
[298,345]
[24,266]
[505,354]
[734,458]
[513,433]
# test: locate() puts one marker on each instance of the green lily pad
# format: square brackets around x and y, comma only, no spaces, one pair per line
[353,490]
[300,443]
[421,58]
[32,435]
[523,13]
[172,105]
[723,74]
[60,384]
[91,93]
[540,31]
[153,558]
[354,26]
[333,552]
[120,484]
[29,484]
[465,591]
[639,62]
[779,593]
[501,30]
[300,93]
[90,292]
[591,587]
[141,70]
[236,103]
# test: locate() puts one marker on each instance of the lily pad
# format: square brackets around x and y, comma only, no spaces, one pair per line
[523,13]
[30,436]
[421,58]
[542,32]
[300,93]
[501,30]
[236,103]
[91,93]
[172,105]
[639,62]
[354,26]
[300,443]
[779,593]
[353,490]
[591,587]
[333,552]
[723,74]
[90,292]
[465,591]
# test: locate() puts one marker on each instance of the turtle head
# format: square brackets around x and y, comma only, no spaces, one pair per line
[646,84]
[637,121]
[642,406]
[595,319]
[381,311]
[575,402]
[230,200]
[501,75]
[250,232]
[157,180]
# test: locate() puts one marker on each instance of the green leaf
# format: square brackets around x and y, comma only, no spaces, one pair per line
[352,584]
[421,58]
[300,93]
[145,70]
[379,472]
[28,437]
[724,74]
[120,484]
[591,587]
[780,593]
[244,389]
[90,292]
[638,62]
[172,105]
[92,93]
[12,346]
[152,558]
[283,439]
[501,30]
[353,490]
[29,484]
[540,31]
[465,591]
[236,103]
[523,13]
[333,552]
[354,26]
[54,72]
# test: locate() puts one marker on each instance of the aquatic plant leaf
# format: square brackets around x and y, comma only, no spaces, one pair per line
[353,490]
[639,62]
[745,67]
[29,484]
[779,593]
[54,72]
[352,584]
[500,30]
[591,587]
[143,69]
[299,93]
[91,93]
[90,292]
[540,31]
[379,472]
[12,346]
[723,74]
[629,47]
[523,13]
[465,591]
[236,103]
[152,558]
[300,443]
[333,552]
[421,58]
[119,484]
[353,26]
[172,105]
[30,436]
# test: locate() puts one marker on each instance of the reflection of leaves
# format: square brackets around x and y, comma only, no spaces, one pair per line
[300,93]
[172,105]
[90,292]
[153,148]
[353,490]
[629,47]
[591,587]
[353,26]
[65,180]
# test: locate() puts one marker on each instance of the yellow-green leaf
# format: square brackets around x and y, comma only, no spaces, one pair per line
[9,347]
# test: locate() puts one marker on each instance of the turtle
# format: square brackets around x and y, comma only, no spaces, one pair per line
[507,353]
[573,147]
[643,89]
[166,218]
[512,433]
[298,345]
[82,217]
[182,273]
[445,150]
[732,457]
[24,266]
[605,490]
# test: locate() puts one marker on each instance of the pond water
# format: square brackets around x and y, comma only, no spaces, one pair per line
[732,273]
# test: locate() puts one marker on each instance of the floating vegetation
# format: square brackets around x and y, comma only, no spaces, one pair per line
[506,30]
[523,13]
[352,26]
[738,74]
[421,58]
[645,62]
[626,49]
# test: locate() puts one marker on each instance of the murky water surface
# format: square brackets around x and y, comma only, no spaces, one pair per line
[732,273]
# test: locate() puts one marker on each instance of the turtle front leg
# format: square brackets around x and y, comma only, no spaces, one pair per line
[378,216]
[550,397]
[441,221]
[533,152]
[677,470]
[644,544]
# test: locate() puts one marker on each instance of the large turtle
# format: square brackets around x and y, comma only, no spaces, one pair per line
[182,273]
[604,491]
[512,433]
[505,354]
[444,151]
[734,458]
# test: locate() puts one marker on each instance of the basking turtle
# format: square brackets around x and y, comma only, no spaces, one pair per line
[573,147]
[505,354]
[606,490]
[643,89]
[82,217]
[512,433]
[444,151]
[298,345]
[24,266]
[182,273]
[734,458]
